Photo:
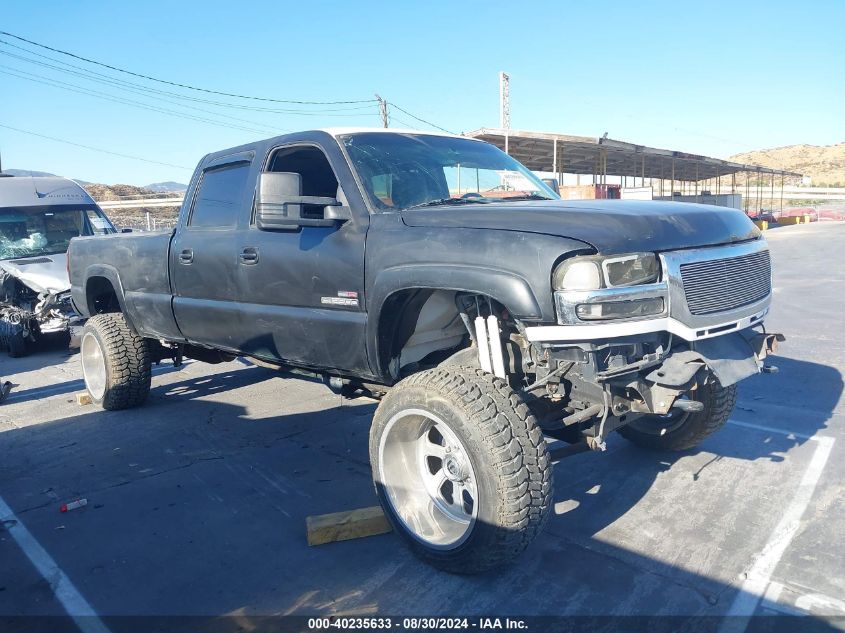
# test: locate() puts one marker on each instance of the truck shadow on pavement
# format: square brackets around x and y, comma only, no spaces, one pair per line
[198,506]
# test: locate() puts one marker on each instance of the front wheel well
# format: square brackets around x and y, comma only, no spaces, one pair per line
[420,327]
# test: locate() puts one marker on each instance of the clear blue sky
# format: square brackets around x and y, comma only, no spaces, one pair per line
[715,78]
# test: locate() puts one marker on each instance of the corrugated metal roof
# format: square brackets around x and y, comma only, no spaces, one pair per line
[589,155]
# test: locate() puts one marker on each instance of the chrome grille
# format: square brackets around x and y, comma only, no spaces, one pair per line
[726,284]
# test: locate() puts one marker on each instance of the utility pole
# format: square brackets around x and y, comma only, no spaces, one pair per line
[504,101]
[382,109]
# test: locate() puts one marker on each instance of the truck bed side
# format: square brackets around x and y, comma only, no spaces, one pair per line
[127,272]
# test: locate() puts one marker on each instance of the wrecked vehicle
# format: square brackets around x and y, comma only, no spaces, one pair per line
[440,275]
[38,218]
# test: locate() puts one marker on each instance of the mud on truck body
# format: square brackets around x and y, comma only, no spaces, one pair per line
[439,275]
[38,218]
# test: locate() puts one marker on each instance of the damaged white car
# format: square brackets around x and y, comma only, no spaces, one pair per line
[38,218]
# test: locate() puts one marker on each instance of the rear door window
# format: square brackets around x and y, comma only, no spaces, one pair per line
[220,196]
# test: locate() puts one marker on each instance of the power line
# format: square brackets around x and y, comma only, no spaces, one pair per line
[413,116]
[393,117]
[174,83]
[142,89]
[94,149]
[55,83]
[100,95]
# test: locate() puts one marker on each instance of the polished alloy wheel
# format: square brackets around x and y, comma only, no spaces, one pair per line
[428,478]
[93,366]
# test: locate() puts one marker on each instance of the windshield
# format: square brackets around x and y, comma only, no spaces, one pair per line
[27,232]
[400,171]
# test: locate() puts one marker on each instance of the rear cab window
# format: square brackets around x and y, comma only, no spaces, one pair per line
[219,197]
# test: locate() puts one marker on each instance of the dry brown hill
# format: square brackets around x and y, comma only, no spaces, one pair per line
[825,164]
[135,217]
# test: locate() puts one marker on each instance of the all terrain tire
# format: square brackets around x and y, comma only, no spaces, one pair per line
[460,467]
[679,430]
[115,362]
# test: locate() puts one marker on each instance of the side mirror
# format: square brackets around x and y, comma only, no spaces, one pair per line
[280,201]
[125,230]
[552,184]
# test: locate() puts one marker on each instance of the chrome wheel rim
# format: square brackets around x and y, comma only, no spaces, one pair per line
[428,478]
[93,366]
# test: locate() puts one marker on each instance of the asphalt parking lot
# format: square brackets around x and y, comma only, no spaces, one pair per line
[197,501]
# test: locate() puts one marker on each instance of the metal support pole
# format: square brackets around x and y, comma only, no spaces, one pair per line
[781,194]
[604,168]
[773,194]
[672,188]
[747,182]
[562,166]
[554,158]
[696,182]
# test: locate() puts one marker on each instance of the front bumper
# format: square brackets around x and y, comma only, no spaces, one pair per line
[677,317]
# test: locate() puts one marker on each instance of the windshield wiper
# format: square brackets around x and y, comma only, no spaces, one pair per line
[447,201]
[528,196]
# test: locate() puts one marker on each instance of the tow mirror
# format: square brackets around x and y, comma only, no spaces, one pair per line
[280,203]
[551,183]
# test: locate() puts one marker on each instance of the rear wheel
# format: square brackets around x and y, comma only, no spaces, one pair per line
[460,467]
[115,362]
[680,430]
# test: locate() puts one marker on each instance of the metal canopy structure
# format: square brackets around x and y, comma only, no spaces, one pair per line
[562,153]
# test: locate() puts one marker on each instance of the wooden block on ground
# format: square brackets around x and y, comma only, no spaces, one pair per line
[342,526]
[83,398]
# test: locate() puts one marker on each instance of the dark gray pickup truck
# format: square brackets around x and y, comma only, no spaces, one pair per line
[440,275]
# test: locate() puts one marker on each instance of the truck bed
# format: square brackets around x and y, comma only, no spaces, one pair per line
[142,283]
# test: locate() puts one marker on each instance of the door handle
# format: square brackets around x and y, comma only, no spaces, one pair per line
[248,256]
[186,256]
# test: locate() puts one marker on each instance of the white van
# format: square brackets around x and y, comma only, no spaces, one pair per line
[38,218]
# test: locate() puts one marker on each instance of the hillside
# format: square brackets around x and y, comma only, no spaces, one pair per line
[136,217]
[824,164]
[168,186]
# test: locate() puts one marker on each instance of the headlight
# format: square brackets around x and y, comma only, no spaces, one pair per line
[630,270]
[594,272]
[578,273]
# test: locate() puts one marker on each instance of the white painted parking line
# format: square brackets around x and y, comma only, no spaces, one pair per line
[806,602]
[771,601]
[772,429]
[73,602]
[757,578]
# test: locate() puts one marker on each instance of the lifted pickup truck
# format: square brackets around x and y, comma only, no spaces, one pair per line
[439,274]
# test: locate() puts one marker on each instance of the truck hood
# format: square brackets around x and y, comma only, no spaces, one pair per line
[610,226]
[43,273]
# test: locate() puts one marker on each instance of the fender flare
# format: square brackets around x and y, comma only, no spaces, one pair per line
[111,274]
[511,290]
